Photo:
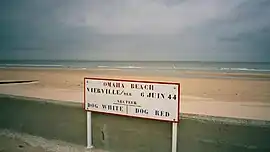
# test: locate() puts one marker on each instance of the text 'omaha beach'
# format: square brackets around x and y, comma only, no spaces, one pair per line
[119,89]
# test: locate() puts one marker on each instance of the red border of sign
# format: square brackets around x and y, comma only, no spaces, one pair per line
[125,80]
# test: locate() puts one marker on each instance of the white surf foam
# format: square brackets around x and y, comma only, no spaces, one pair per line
[31,65]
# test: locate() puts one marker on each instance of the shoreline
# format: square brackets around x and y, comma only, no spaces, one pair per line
[150,73]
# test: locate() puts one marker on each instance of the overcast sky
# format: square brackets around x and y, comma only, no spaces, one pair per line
[211,30]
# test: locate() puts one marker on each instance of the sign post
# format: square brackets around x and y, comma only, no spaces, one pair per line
[174,137]
[141,99]
[89,130]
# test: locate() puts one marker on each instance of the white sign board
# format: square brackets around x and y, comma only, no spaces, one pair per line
[144,99]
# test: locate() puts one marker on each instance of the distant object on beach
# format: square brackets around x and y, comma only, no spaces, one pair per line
[17,81]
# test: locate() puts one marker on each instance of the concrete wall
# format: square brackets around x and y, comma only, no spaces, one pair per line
[67,122]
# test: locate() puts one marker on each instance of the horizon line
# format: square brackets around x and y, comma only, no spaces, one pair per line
[85,60]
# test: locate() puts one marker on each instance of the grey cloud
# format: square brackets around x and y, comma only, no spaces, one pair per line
[147,16]
[136,29]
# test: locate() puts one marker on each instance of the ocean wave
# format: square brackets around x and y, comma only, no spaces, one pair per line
[30,65]
[220,69]
[101,66]
[129,67]
[195,68]
[245,69]
[143,67]
[120,67]
[173,68]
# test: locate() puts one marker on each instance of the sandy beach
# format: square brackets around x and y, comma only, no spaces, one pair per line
[234,97]
[230,90]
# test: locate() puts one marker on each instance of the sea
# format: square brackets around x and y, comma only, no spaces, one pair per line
[154,67]
[143,65]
